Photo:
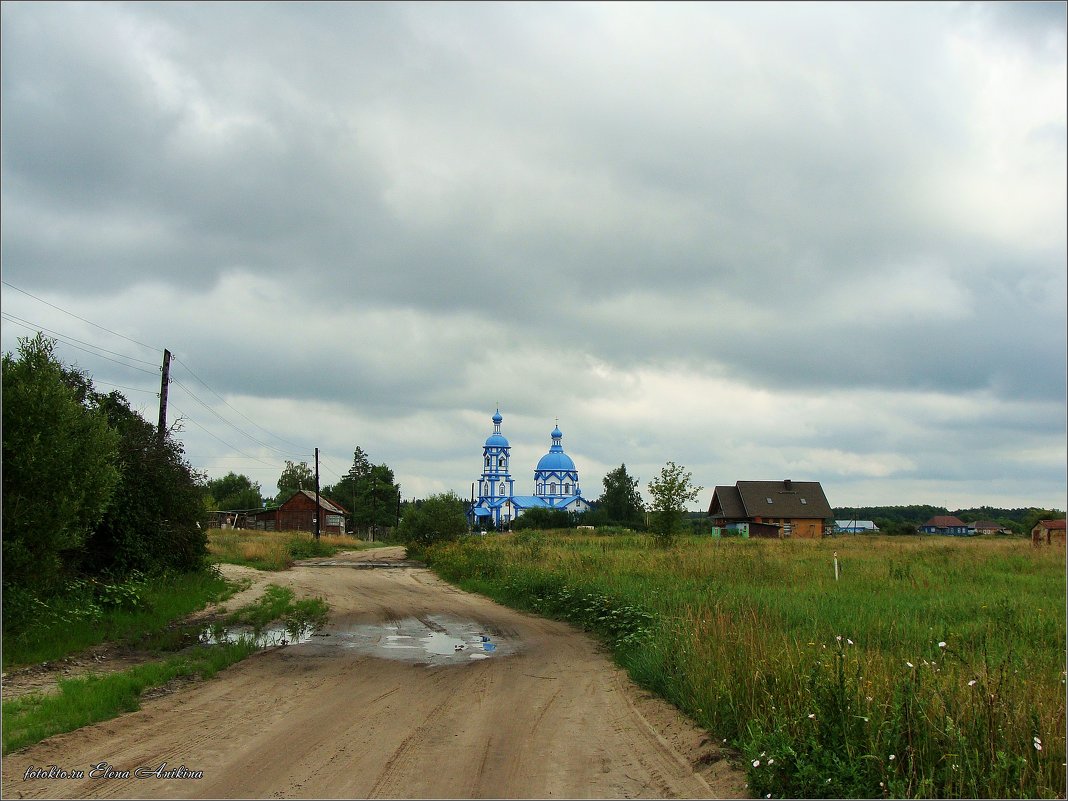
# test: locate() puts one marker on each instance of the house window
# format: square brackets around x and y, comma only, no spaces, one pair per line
[804,501]
[769,500]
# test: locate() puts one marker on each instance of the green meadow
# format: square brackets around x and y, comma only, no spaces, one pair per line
[931,667]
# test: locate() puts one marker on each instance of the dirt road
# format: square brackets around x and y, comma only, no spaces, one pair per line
[527,708]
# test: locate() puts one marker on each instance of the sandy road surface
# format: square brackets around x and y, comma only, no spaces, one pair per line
[554,718]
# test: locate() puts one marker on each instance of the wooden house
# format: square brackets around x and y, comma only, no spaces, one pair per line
[783,509]
[946,524]
[298,514]
[1048,532]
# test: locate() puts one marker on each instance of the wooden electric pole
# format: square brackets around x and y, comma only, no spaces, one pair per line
[164,382]
[317,510]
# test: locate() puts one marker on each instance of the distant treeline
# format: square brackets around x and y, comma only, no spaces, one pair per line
[900,519]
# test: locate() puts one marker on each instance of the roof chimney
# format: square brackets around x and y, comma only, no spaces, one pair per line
[786,485]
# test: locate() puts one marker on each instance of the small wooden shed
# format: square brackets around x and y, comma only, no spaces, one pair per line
[1048,532]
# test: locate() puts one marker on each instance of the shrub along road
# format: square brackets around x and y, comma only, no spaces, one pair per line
[547,715]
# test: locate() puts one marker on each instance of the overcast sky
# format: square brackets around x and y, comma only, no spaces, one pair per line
[824,242]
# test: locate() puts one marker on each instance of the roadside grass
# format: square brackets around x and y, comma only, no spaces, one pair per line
[275,550]
[92,613]
[932,667]
[94,698]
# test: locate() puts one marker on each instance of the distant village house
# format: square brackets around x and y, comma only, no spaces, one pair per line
[1048,532]
[298,514]
[781,509]
[946,524]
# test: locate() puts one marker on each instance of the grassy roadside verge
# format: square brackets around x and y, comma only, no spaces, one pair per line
[932,668]
[92,699]
[276,550]
[94,612]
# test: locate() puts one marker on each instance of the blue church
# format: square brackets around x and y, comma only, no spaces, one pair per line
[556,482]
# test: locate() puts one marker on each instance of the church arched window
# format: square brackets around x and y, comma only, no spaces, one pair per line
[487,461]
[567,489]
[552,488]
[485,488]
[500,462]
[502,488]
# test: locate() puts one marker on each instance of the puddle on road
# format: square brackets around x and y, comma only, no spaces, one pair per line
[267,638]
[431,640]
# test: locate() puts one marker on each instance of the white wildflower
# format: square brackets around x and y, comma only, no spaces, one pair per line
[971,683]
[909,664]
[812,716]
[756,763]
[771,761]
[892,757]
[849,641]
[942,644]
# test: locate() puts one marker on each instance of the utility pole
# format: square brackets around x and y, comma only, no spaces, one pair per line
[164,383]
[317,515]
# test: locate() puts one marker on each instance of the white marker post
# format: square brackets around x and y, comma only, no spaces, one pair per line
[836,565]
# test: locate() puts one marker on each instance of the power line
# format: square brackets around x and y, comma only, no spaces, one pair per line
[68,338]
[221,398]
[65,340]
[75,316]
[227,422]
[224,442]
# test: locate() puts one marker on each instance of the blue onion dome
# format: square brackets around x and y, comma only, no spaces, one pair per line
[556,433]
[556,460]
[497,417]
[496,441]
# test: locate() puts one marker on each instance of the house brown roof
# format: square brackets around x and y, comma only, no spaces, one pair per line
[1052,524]
[945,521]
[982,525]
[785,499]
[324,502]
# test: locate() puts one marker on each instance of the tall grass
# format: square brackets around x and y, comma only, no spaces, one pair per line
[275,550]
[931,668]
[88,614]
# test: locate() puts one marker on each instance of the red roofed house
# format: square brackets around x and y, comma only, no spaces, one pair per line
[946,524]
[1050,532]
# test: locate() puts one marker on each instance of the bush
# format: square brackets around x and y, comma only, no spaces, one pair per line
[440,518]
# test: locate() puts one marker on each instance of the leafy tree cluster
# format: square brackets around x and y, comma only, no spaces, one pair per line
[439,518]
[369,491]
[545,519]
[908,519]
[233,493]
[89,487]
[620,504]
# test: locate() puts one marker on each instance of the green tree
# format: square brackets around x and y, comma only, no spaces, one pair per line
[439,518]
[154,522]
[294,477]
[235,492]
[671,491]
[369,491]
[545,519]
[59,472]
[621,503]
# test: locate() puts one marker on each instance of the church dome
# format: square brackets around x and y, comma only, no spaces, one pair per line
[555,460]
[496,441]
[497,419]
